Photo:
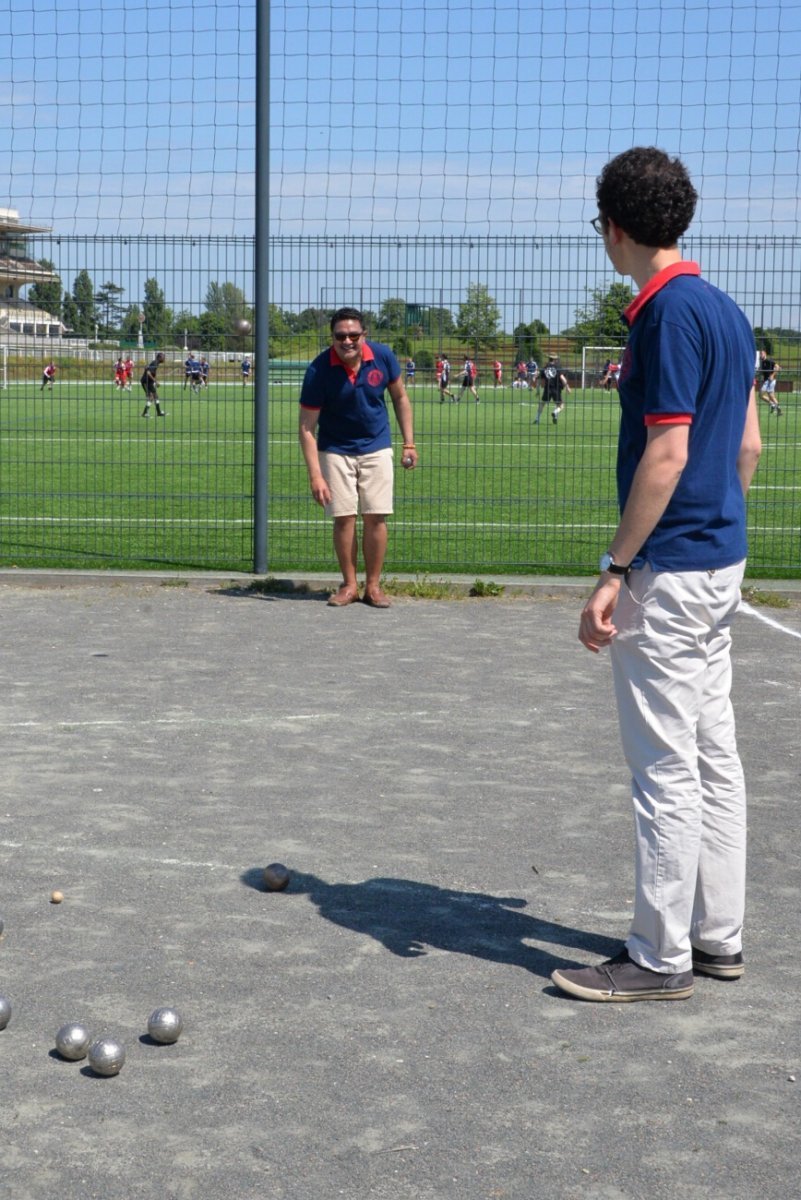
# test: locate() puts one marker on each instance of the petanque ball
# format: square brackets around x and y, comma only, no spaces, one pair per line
[5,1011]
[72,1041]
[276,877]
[106,1056]
[164,1025]
[242,327]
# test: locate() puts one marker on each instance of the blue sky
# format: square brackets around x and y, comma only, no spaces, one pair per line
[396,116]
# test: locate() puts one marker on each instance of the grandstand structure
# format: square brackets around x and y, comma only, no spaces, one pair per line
[23,325]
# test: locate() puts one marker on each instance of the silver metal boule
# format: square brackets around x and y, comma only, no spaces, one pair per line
[72,1041]
[5,1011]
[106,1056]
[276,877]
[164,1025]
[243,327]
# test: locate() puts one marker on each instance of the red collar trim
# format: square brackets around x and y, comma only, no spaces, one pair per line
[655,285]
[336,361]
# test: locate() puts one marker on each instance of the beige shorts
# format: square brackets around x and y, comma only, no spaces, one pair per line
[358,483]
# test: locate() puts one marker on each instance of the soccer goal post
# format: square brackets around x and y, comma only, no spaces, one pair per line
[594,359]
[3,366]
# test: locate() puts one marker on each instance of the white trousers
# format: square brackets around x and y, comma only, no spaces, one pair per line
[672,671]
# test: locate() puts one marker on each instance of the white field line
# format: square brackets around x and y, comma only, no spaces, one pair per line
[322,523]
[750,611]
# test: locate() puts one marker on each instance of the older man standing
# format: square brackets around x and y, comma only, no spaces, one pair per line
[346,441]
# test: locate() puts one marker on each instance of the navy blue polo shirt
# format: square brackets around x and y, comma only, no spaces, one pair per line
[689,360]
[353,413]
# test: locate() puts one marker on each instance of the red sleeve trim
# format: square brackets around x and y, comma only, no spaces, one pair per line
[668,419]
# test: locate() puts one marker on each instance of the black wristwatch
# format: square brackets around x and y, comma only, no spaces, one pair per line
[608,564]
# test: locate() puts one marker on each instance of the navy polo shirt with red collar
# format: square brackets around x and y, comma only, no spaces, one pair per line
[689,360]
[353,413]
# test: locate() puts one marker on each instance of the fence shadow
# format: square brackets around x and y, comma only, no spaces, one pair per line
[408,917]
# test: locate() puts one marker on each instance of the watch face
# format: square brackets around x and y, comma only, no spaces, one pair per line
[606,561]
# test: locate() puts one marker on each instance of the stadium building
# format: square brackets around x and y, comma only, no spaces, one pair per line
[20,321]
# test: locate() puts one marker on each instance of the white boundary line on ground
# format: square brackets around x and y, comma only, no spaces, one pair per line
[753,612]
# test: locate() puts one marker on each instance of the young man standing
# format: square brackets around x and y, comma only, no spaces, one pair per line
[553,384]
[443,380]
[346,442]
[151,387]
[669,588]
[769,369]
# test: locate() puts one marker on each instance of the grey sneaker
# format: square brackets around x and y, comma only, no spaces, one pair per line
[719,966]
[620,979]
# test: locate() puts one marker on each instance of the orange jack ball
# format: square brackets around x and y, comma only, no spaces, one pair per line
[56,897]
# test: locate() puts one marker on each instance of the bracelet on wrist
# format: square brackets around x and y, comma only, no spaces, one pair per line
[409,446]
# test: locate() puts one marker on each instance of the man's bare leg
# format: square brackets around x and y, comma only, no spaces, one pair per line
[374,548]
[346,549]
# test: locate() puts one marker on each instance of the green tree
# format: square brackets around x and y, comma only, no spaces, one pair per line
[129,325]
[186,330]
[226,300]
[601,322]
[479,318]
[213,330]
[278,323]
[86,314]
[108,301]
[46,296]
[439,322]
[527,341]
[310,320]
[158,325]
[763,340]
[69,313]
[392,315]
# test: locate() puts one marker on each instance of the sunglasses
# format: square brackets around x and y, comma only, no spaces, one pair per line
[348,337]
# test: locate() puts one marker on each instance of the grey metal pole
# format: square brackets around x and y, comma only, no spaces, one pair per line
[262,286]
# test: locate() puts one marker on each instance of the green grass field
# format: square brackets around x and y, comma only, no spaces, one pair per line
[86,482]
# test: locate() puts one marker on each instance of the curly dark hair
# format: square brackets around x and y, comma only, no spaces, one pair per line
[648,194]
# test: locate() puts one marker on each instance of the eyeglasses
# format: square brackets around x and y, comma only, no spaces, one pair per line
[597,225]
[349,337]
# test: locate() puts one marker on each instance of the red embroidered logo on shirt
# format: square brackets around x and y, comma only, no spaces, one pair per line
[375,377]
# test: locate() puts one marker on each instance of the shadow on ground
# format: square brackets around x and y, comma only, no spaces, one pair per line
[274,591]
[407,916]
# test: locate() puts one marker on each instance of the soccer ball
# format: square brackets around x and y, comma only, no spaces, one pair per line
[242,327]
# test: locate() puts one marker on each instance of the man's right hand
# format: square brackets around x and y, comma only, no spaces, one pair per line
[596,628]
[320,490]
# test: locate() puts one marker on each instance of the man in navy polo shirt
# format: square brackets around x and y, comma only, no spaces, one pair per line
[346,441]
[669,588]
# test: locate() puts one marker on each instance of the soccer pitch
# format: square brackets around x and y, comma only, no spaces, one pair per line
[85,481]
